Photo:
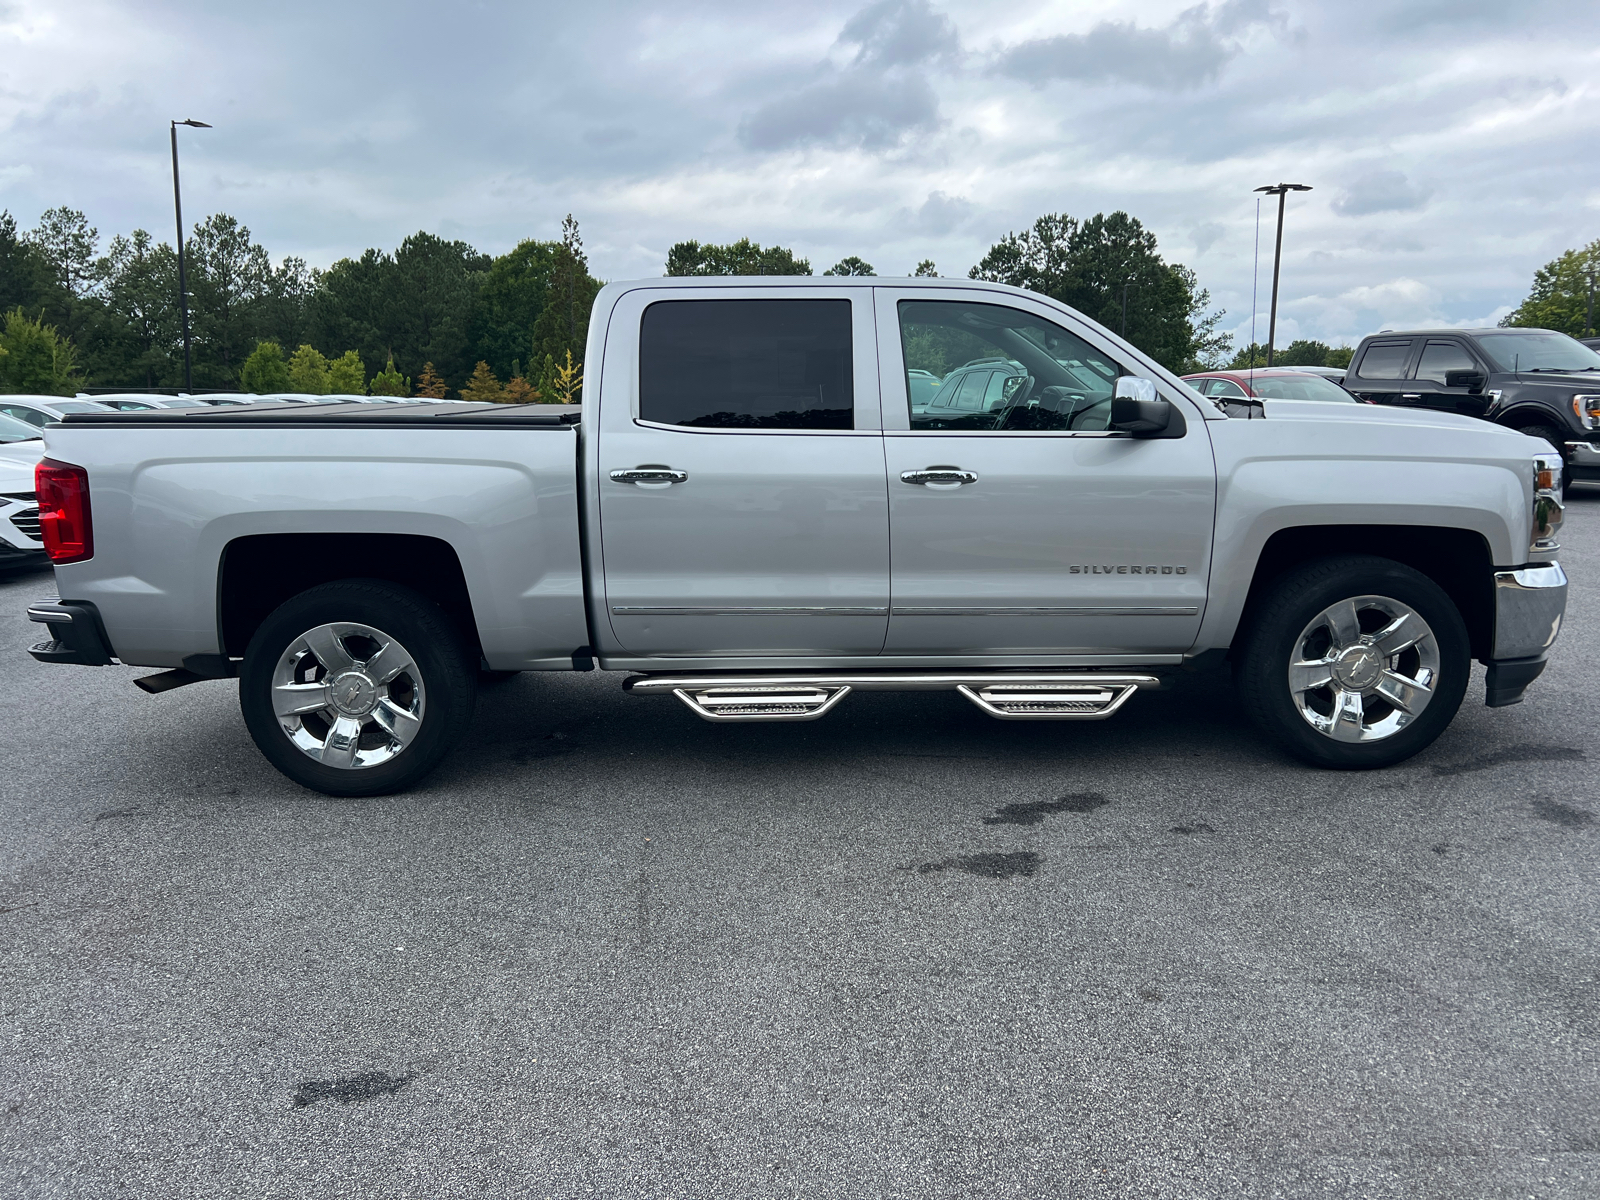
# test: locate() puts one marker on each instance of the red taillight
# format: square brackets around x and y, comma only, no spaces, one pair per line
[64,522]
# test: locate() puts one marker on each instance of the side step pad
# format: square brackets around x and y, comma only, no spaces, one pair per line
[773,702]
[1009,696]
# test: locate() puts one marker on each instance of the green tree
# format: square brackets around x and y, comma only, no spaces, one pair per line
[347,375]
[1303,353]
[389,382]
[563,327]
[483,387]
[743,257]
[1339,356]
[1253,355]
[513,295]
[925,270]
[23,272]
[228,275]
[308,371]
[38,360]
[854,265]
[141,333]
[1562,293]
[265,372]
[1099,265]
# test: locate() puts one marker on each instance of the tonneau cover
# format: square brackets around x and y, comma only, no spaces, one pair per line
[350,415]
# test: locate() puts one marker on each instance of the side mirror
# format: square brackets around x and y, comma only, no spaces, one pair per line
[1136,409]
[1473,381]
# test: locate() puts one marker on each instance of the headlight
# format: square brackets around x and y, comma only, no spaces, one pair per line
[1547,510]
[1587,410]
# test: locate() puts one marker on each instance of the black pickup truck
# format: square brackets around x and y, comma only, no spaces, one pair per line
[1544,383]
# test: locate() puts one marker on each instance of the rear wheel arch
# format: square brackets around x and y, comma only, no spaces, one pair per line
[259,572]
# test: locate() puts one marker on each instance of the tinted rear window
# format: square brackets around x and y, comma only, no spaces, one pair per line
[747,364]
[1385,360]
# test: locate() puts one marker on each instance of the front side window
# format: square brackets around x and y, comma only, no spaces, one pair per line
[747,364]
[1227,389]
[1385,360]
[1439,357]
[1002,369]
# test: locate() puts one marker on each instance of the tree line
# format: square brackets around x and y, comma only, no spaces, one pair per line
[435,317]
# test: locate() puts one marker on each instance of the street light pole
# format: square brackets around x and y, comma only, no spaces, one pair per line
[183,290]
[1279,190]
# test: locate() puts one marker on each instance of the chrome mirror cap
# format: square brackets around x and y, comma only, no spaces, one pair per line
[1132,387]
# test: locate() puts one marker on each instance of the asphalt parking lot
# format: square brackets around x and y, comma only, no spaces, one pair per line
[907,951]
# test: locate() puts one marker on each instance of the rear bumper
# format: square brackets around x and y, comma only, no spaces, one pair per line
[76,634]
[1529,604]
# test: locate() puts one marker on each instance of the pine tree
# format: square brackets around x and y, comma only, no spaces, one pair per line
[566,382]
[389,382]
[37,360]
[925,270]
[520,391]
[483,387]
[429,384]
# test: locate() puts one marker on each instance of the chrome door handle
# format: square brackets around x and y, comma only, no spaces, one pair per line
[646,476]
[947,476]
[1411,395]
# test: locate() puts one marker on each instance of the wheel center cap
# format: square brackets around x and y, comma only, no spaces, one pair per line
[353,694]
[1358,667]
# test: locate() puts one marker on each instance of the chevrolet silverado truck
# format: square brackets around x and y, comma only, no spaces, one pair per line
[748,515]
[1537,381]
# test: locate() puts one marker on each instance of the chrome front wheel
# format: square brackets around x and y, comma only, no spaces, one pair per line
[1352,661]
[1364,668]
[348,695]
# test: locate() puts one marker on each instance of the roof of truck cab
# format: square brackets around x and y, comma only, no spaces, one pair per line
[361,416]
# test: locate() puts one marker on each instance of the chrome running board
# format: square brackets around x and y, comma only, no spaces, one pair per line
[1007,695]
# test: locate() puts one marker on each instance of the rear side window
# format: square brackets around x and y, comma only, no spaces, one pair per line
[1385,360]
[747,364]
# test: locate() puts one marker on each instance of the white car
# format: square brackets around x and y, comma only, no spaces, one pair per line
[39,411]
[21,448]
[134,402]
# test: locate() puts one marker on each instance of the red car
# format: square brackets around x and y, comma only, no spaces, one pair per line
[1267,383]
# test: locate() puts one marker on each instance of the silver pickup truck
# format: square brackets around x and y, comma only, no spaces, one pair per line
[756,512]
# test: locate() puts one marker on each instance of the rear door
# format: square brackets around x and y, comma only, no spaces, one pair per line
[1032,528]
[1383,372]
[743,509]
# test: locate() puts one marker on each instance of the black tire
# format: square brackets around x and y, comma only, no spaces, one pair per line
[1273,625]
[448,674]
[1549,433]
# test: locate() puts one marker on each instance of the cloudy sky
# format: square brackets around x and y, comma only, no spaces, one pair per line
[1452,144]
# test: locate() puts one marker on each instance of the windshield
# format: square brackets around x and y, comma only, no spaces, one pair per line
[76,406]
[1299,387]
[182,402]
[13,430]
[1538,351]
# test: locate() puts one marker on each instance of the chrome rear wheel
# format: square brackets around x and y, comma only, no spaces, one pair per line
[348,695]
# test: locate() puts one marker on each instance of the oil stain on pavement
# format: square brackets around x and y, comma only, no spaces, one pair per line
[1566,815]
[989,865]
[351,1089]
[1034,812]
[1514,754]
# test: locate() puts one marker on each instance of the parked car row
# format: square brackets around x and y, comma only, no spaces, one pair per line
[21,448]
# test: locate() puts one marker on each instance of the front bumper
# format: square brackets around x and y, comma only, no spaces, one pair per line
[76,635]
[1529,604]
[1583,460]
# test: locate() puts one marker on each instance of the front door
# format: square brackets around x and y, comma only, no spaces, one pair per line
[1029,527]
[743,509]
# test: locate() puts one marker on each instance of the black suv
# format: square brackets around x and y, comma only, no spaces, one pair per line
[1543,383]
